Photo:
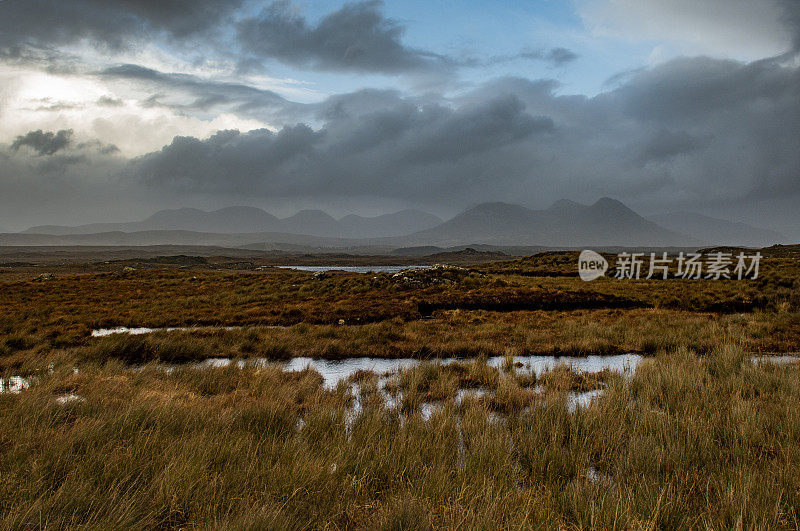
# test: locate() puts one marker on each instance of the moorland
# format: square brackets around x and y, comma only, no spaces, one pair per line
[123,430]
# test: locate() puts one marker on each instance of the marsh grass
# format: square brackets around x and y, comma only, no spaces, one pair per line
[687,441]
[487,311]
[453,334]
[143,437]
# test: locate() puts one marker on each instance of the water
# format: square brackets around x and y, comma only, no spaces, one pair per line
[777,359]
[582,400]
[357,269]
[335,371]
[103,332]
[622,363]
[14,384]
[68,399]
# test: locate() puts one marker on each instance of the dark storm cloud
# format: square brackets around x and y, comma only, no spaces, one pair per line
[381,152]
[356,37]
[243,159]
[110,22]
[44,143]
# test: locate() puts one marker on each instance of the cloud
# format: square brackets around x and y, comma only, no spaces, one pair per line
[691,132]
[48,177]
[379,153]
[112,23]
[737,29]
[356,37]
[44,143]
[554,56]
[791,20]
[170,90]
[108,101]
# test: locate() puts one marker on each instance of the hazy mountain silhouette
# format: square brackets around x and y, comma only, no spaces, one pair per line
[714,231]
[312,222]
[566,223]
[605,223]
[242,220]
[397,224]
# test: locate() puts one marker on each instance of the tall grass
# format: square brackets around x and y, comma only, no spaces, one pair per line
[688,441]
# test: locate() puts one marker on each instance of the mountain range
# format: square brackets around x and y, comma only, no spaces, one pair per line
[242,219]
[607,222]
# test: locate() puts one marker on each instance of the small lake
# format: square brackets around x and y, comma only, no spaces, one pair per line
[357,269]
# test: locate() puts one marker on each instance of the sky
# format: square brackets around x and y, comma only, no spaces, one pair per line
[113,109]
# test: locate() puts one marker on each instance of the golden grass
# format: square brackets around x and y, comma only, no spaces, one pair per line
[698,437]
[687,442]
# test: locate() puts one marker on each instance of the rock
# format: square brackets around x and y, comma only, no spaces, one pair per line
[44,276]
[129,268]
[320,275]
[341,321]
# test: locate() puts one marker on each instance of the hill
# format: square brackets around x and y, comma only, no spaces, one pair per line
[607,222]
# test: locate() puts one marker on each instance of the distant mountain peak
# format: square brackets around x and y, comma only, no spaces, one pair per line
[565,204]
[609,203]
[566,223]
[312,214]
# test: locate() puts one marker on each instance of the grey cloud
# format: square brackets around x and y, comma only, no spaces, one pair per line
[791,18]
[560,56]
[75,182]
[665,144]
[382,153]
[243,160]
[48,105]
[108,101]
[356,37]
[554,56]
[206,95]
[44,143]
[56,150]
[98,147]
[688,132]
[110,22]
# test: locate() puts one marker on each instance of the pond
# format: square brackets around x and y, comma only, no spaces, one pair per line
[135,331]
[357,269]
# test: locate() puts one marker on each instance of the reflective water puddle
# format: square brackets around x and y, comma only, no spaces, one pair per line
[357,269]
[103,332]
[14,384]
